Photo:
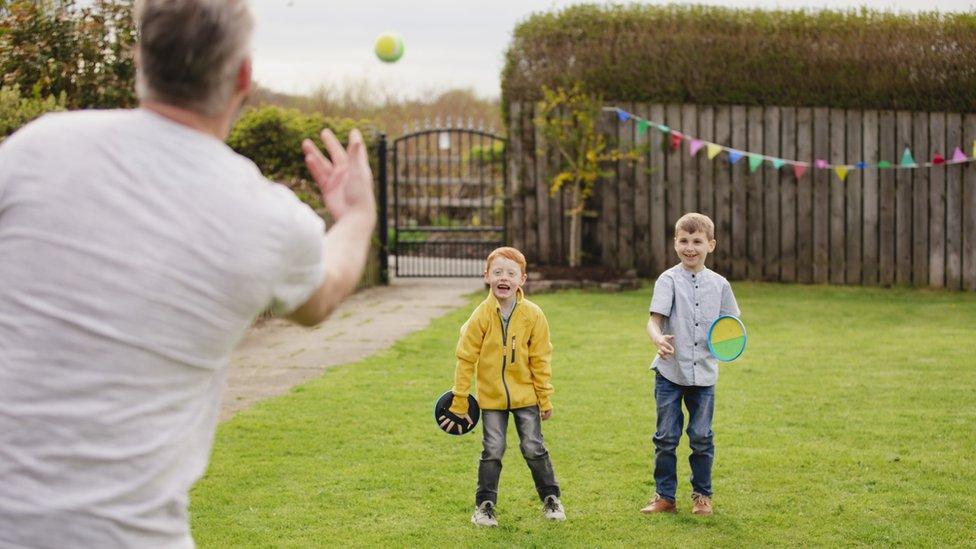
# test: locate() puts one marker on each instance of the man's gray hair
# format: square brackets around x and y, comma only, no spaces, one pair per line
[190,51]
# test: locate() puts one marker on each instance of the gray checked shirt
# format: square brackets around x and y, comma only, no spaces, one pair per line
[690,302]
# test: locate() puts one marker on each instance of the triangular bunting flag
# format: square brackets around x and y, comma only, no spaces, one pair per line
[974,148]
[799,170]
[663,128]
[821,164]
[675,141]
[713,150]
[734,156]
[623,115]
[906,158]
[642,126]
[695,146]
[861,165]
[958,156]
[754,162]
[938,159]
[778,163]
[841,172]
[884,164]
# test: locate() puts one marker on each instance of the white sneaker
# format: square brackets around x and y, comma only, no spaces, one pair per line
[552,509]
[484,514]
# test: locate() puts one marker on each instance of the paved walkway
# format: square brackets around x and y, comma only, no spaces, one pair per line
[276,355]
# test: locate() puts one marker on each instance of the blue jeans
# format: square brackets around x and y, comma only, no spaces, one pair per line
[700,402]
[528,423]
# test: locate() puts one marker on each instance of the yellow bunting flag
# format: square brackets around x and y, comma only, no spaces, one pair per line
[714,149]
[841,172]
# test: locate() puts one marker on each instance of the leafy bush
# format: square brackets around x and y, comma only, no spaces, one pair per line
[15,111]
[715,55]
[53,48]
[272,137]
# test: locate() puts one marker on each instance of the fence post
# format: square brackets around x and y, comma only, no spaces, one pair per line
[383,207]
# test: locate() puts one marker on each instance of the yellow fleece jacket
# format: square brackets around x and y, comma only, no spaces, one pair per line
[512,365]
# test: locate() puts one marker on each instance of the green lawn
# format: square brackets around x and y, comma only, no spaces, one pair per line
[850,419]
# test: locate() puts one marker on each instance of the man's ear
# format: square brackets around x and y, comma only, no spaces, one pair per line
[244,72]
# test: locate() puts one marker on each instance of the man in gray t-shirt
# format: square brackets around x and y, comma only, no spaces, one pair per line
[135,249]
[687,299]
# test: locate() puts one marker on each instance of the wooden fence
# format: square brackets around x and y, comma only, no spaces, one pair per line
[879,227]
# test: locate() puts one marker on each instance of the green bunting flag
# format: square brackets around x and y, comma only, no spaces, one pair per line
[778,163]
[884,164]
[642,126]
[754,162]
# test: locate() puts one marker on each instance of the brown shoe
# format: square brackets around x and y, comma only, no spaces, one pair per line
[702,505]
[659,505]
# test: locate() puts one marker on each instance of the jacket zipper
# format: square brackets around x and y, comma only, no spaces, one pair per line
[501,321]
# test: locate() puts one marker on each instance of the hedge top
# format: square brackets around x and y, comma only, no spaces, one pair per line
[715,55]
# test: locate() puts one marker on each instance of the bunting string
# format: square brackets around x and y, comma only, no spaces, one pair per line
[799,167]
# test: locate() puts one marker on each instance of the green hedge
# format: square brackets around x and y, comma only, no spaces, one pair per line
[16,110]
[714,55]
[272,136]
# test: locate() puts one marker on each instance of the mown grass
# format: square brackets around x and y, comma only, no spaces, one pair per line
[851,420]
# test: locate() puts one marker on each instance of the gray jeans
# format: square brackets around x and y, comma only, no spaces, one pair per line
[528,424]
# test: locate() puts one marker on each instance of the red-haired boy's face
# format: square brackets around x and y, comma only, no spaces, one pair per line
[505,278]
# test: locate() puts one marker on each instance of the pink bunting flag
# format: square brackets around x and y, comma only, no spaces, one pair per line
[821,164]
[695,146]
[958,155]
[675,141]
[938,159]
[799,170]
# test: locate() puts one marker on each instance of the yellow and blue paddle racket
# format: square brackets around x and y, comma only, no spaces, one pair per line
[727,338]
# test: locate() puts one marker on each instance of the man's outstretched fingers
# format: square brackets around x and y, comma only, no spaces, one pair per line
[336,152]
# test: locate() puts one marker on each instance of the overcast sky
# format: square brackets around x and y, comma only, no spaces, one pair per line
[300,45]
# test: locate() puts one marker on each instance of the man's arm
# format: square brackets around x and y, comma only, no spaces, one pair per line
[346,183]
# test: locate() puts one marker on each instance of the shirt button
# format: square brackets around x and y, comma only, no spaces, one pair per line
[696,324]
[696,304]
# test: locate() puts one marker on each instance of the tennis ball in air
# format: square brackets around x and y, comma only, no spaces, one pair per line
[389,47]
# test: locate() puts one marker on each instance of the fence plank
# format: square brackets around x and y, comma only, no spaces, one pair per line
[838,150]
[853,187]
[969,208]
[887,196]
[953,230]
[920,200]
[689,166]
[869,177]
[740,195]
[706,172]
[608,220]
[903,202]
[772,133]
[723,193]
[937,205]
[672,170]
[660,249]
[787,193]
[516,215]
[542,160]
[821,197]
[804,196]
[529,193]
[642,194]
[625,194]
[754,194]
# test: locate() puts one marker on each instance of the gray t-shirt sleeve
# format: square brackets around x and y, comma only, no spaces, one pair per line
[303,265]
[663,296]
[729,306]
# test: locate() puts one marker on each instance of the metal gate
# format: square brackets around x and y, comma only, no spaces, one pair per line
[448,201]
